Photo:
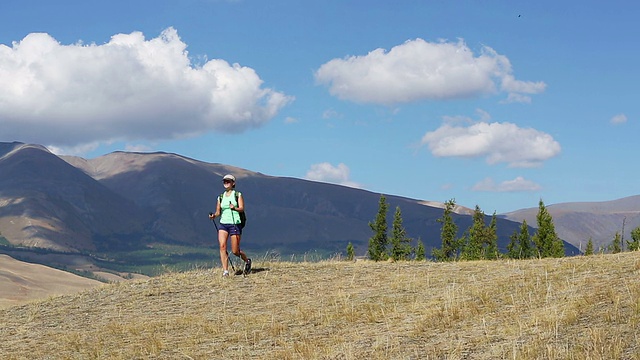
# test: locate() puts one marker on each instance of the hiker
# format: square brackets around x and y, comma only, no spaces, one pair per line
[230,205]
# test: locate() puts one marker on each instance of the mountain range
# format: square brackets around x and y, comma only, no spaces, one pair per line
[579,222]
[125,201]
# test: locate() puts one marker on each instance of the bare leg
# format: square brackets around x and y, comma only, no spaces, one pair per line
[224,256]
[235,247]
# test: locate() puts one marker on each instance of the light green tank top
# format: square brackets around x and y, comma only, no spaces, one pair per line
[227,215]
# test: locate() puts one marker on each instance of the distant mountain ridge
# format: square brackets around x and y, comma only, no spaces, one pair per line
[124,200]
[580,221]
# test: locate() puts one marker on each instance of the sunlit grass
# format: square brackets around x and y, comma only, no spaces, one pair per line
[570,308]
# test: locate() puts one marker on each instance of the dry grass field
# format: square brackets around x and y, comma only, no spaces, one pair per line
[570,308]
[22,282]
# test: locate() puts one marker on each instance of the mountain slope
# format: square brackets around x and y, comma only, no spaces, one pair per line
[577,222]
[47,203]
[285,214]
[21,282]
[128,202]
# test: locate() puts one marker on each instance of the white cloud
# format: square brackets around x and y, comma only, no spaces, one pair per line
[516,98]
[460,119]
[517,184]
[331,114]
[420,70]
[325,172]
[497,142]
[127,89]
[619,119]
[77,150]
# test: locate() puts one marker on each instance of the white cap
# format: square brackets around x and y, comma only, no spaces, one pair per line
[229,177]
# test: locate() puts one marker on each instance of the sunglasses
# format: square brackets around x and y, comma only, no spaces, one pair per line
[226,181]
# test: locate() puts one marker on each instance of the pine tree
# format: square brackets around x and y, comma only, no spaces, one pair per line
[420,251]
[513,247]
[634,244]
[450,246]
[589,250]
[378,242]
[524,239]
[615,246]
[400,242]
[491,239]
[481,241]
[472,248]
[351,253]
[546,240]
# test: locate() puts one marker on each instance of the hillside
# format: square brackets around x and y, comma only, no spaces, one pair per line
[22,282]
[142,212]
[569,308]
[577,222]
[47,203]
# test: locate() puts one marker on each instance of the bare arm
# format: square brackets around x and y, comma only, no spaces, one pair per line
[217,213]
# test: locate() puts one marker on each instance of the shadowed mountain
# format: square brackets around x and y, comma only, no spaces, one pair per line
[287,215]
[577,222]
[47,203]
[124,201]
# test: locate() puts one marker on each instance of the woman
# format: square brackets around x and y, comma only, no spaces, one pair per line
[230,205]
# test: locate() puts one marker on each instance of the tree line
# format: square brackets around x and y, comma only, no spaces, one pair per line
[479,241]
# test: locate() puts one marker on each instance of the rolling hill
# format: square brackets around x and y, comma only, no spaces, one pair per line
[21,282]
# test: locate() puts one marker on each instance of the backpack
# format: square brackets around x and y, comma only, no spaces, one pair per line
[243,216]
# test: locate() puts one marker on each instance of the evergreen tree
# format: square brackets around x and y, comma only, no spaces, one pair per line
[513,247]
[450,246]
[420,251]
[350,251]
[546,240]
[481,241]
[589,250]
[473,239]
[615,245]
[634,244]
[524,240]
[491,239]
[378,242]
[400,242]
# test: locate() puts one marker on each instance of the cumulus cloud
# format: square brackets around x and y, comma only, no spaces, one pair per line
[325,172]
[517,184]
[421,70]
[497,142]
[130,88]
[619,119]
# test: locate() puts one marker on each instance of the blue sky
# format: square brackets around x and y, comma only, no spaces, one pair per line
[491,103]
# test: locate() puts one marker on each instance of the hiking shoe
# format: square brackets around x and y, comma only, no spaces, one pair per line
[247,266]
[225,273]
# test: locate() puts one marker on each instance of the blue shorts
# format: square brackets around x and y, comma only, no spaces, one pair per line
[232,229]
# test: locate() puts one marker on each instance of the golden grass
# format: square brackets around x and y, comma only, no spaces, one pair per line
[22,282]
[570,308]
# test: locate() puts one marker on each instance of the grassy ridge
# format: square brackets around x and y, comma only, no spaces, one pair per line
[569,308]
